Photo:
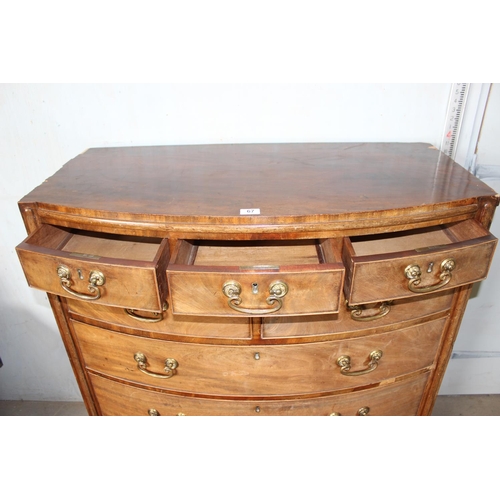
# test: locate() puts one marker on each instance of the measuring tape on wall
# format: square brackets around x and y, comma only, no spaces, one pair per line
[454,115]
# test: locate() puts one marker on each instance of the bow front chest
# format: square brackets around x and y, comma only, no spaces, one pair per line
[259,279]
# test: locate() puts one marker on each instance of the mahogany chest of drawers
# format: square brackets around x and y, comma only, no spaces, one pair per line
[264,279]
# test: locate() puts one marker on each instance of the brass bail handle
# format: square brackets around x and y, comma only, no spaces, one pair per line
[142,362]
[357,312]
[277,290]
[414,274]
[345,364]
[362,412]
[96,279]
[155,318]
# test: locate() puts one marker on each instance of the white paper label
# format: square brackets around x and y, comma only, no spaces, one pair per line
[249,211]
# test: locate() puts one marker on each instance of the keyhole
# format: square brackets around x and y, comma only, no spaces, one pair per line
[80,275]
[429,269]
[255,288]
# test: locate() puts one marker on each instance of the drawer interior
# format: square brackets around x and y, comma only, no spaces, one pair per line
[401,241]
[92,245]
[112,246]
[256,254]
[418,240]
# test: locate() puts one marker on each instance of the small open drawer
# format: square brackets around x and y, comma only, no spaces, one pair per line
[409,263]
[256,278]
[110,269]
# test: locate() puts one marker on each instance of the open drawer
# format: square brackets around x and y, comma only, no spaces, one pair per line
[110,269]
[256,278]
[409,263]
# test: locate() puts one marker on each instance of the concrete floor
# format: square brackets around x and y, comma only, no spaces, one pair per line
[476,405]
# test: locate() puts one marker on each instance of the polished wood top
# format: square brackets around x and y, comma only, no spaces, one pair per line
[302,183]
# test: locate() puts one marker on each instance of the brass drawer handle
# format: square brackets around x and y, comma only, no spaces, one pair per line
[414,273]
[153,412]
[362,412]
[96,279]
[357,312]
[345,364]
[170,366]
[277,290]
[157,317]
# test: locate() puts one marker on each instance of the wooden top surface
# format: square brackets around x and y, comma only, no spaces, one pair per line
[286,182]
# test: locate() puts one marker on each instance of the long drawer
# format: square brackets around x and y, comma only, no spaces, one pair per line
[399,398]
[347,320]
[266,370]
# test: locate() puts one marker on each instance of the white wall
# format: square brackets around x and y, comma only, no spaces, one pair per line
[475,364]
[44,126]
[488,149]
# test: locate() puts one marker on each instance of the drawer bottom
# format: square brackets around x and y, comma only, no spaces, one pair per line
[398,398]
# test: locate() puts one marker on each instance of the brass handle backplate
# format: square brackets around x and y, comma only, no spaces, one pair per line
[277,290]
[345,364]
[414,274]
[142,362]
[96,279]
[357,312]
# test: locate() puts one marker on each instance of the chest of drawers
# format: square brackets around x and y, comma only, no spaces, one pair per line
[270,279]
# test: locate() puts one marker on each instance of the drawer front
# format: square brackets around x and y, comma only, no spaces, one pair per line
[60,262]
[164,322]
[400,398]
[256,278]
[259,370]
[356,319]
[419,271]
[254,294]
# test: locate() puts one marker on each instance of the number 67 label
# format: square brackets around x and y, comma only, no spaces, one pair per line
[249,211]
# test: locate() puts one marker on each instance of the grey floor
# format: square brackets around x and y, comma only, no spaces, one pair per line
[477,405]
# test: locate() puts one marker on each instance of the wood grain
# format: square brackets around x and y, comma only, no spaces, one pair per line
[197,327]
[399,398]
[402,312]
[279,369]
[216,181]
